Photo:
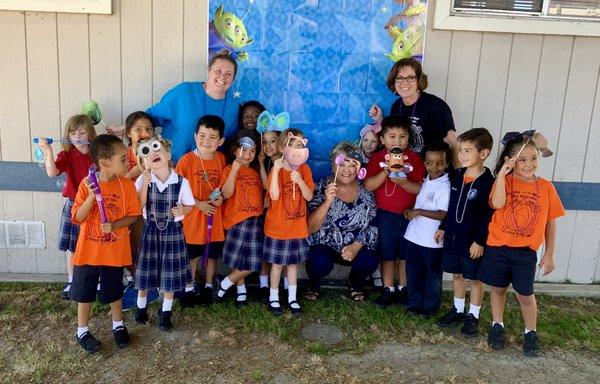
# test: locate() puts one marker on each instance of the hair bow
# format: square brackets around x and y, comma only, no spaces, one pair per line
[375,128]
[510,136]
[268,122]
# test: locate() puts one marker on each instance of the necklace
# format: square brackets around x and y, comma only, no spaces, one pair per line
[153,206]
[386,188]
[462,215]
[204,173]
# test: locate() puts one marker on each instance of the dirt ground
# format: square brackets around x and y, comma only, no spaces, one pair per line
[45,351]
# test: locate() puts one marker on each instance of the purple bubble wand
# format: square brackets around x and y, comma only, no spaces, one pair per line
[93,179]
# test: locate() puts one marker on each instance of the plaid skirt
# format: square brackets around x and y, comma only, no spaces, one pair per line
[244,244]
[162,261]
[285,252]
[67,232]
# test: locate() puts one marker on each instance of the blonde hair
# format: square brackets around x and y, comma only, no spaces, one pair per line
[165,143]
[73,124]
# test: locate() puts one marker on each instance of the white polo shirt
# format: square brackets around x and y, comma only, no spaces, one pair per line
[185,192]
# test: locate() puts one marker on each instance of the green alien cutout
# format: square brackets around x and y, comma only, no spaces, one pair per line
[227,31]
[405,41]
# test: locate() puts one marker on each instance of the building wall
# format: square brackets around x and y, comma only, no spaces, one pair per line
[52,63]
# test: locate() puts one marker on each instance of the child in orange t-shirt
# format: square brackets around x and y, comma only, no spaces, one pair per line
[103,249]
[526,210]
[286,228]
[242,217]
[202,168]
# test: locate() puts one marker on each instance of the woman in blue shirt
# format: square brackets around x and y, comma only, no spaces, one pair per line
[341,223]
[181,107]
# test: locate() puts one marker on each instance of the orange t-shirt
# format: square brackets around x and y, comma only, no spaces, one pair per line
[203,177]
[286,217]
[522,221]
[247,198]
[93,248]
[132,158]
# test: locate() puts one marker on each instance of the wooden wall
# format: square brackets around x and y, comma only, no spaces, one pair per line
[52,63]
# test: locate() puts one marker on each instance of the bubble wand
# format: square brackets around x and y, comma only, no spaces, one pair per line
[93,179]
[209,224]
[38,154]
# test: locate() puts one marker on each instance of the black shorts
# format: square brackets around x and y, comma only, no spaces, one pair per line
[85,281]
[502,266]
[463,264]
[197,250]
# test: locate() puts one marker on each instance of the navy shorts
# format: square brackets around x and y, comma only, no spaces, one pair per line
[463,264]
[391,227]
[502,266]
[86,279]
[197,250]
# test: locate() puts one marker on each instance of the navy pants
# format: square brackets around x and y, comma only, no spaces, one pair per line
[321,259]
[424,275]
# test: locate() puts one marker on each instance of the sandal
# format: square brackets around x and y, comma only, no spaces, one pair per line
[357,296]
[311,295]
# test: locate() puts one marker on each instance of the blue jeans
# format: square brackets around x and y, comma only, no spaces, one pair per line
[321,259]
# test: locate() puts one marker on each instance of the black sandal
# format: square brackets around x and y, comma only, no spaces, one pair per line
[311,295]
[357,296]
[277,311]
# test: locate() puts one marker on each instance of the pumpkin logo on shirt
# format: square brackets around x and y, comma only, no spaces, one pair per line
[521,215]
[113,206]
[293,204]
[207,182]
[251,198]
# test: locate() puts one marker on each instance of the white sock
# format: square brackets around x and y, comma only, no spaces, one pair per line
[82,330]
[70,279]
[400,287]
[98,287]
[226,284]
[241,292]
[391,289]
[274,296]
[285,283]
[207,285]
[142,302]
[67,288]
[459,304]
[501,323]
[527,331]
[117,324]
[189,289]
[167,305]
[474,309]
[264,281]
[376,278]
[292,289]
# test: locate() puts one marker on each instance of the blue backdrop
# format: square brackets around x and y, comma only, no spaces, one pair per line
[323,61]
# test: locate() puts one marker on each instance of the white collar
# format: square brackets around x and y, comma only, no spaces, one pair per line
[172,179]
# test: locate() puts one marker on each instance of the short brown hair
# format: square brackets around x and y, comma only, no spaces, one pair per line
[223,55]
[408,62]
[283,137]
[480,137]
[75,122]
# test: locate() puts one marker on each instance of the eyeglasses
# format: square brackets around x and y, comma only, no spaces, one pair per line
[410,79]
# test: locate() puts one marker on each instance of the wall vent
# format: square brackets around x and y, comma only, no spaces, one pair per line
[22,234]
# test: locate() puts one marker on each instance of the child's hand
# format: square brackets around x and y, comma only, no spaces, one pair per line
[547,264]
[261,157]
[147,176]
[296,176]
[410,214]
[178,210]
[375,112]
[45,146]
[107,227]
[398,180]
[206,207]
[331,192]
[508,166]
[89,188]
[278,164]
[217,202]
[235,166]
[439,236]
[476,251]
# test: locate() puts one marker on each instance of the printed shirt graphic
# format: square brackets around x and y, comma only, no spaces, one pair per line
[247,198]
[522,221]
[93,247]
[202,182]
[287,217]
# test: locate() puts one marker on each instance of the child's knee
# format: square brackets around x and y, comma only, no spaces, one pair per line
[526,300]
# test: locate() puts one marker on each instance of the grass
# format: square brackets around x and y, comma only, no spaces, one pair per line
[566,323]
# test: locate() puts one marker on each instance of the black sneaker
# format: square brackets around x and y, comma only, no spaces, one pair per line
[121,336]
[88,343]
[164,321]
[64,295]
[450,318]
[385,299]
[401,296]
[531,344]
[413,311]
[496,336]
[187,299]
[471,326]
[141,316]
[263,295]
